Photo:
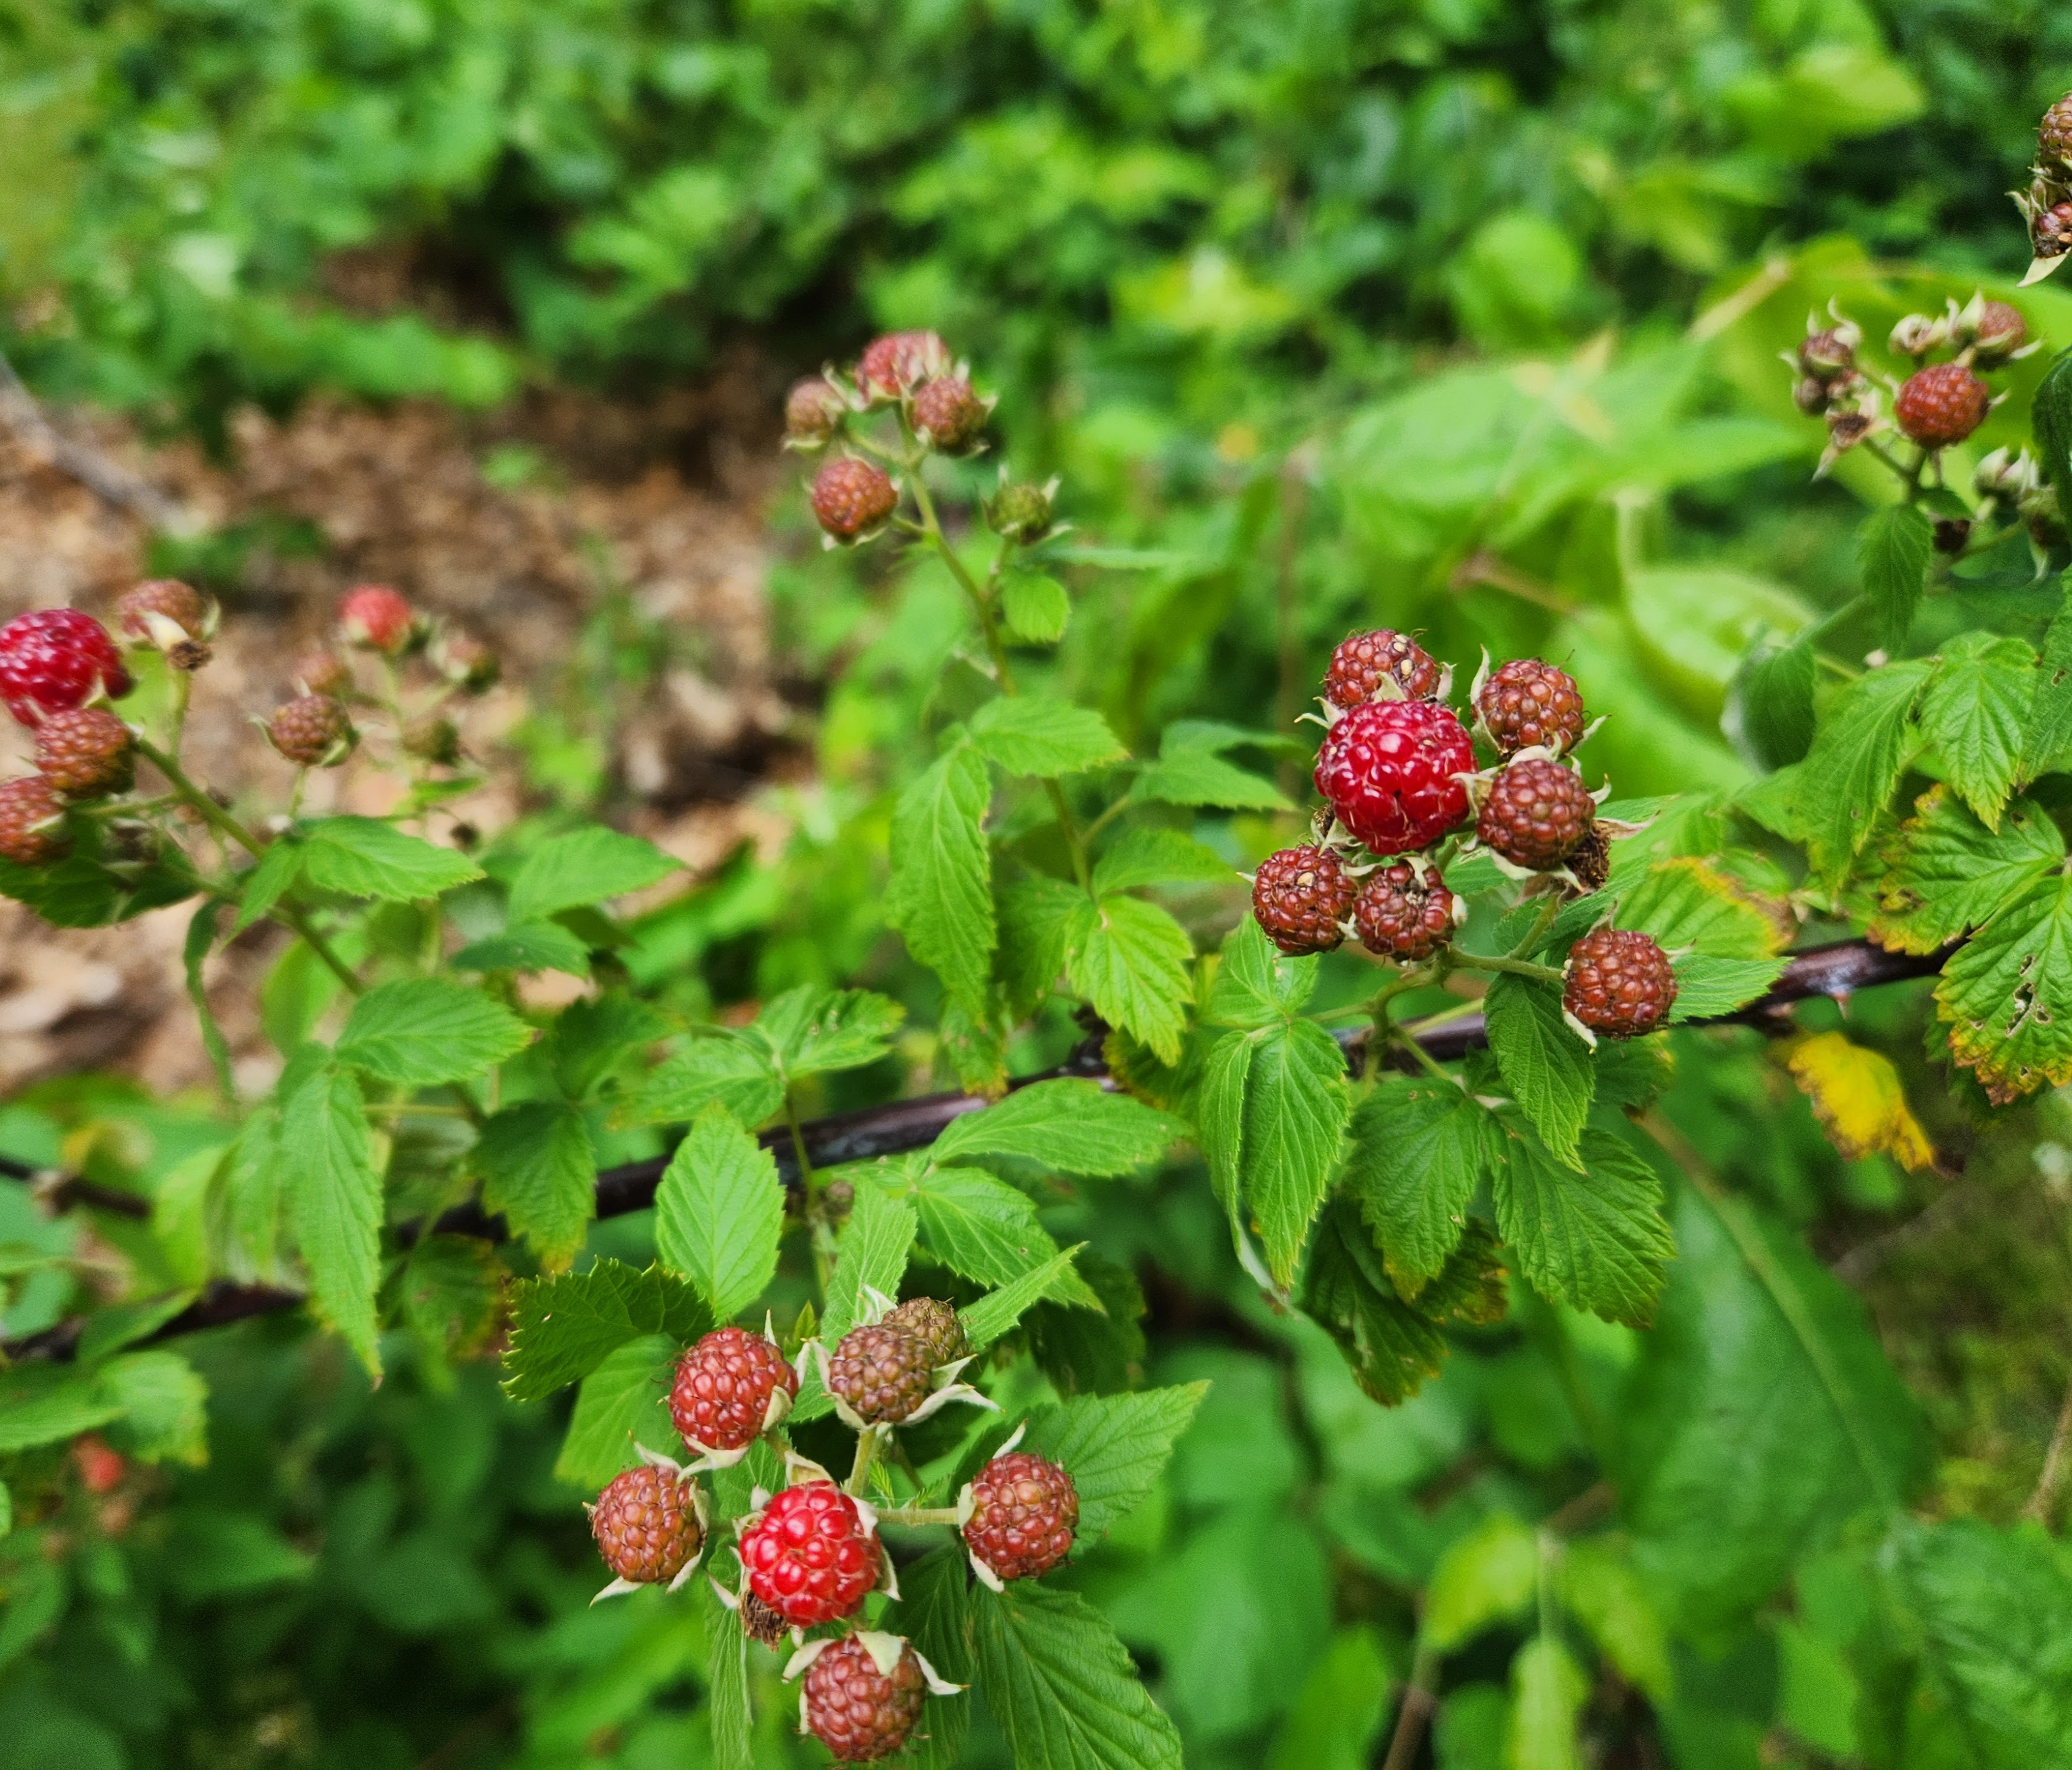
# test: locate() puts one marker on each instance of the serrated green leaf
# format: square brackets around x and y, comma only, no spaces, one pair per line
[1296,1103]
[539,1172]
[1490,1575]
[1130,959]
[998,1312]
[1071,1126]
[1708,988]
[562,1328]
[163,1406]
[1062,1687]
[1036,917]
[1545,1063]
[334,1197]
[2006,992]
[1152,855]
[1255,984]
[1220,1107]
[2051,416]
[733,1071]
[591,1040]
[265,885]
[973,1224]
[47,1404]
[1687,902]
[1775,696]
[622,1404]
[1027,735]
[1946,874]
[527,946]
[421,1031]
[812,1031]
[1037,609]
[1392,1347]
[1196,777]
[585,867]
[1114,1447]
[2046,737]
[1595,1240]
[726,1684]
[364,857]
[719,1212]
[1867,737]
[1893,549]
[940,894]
[1973,713]
[1418,1150]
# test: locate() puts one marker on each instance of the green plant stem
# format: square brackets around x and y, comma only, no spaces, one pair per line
[1538,932]
[809,1183]
[919,1515]
[1514,967]
[1445,1017]
[1419,1702]
[866,1454]
[183,687]
[1430,1064]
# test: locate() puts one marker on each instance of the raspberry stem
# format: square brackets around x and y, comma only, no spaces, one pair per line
[919,1515]
[1515,968]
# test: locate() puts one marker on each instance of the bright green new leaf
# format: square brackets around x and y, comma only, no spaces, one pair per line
[587,867]
[421,1031]
[527,946]
[1071,1126]
[1152,855]
[2007,992]
[1548,1690]
[1046,738]
[1867,736]
[724,1067]
[726,1683]
[268,882]
[1417,1152]
[997,1312]
[1037,609]
[812,1031]
[1130,959]
[719,1212]
[1488,1576]
[1893,549]
[539,1172]
[1946,874]
[1114,1447]
[1545,1063]
[334,1197]
[1196,777]
[48,1404]
[974,1224]
[622,1403]
[1255,984]
[1973,713]
[562,1328]
[1594,1239]
[1708,988]
[364,857]
[163,1406]
[940,895]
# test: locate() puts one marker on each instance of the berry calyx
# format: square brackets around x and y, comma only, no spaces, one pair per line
[87,753]
[169,616]
[858,1712]
[1536,812]
[813,412]
[464,661]
[312,731]
[376,618]
[1300,895]
[853,498]
[881,1374]
[947,412]
[32,822]
[52,660]
[1829,355]
[1526,702]
[646,1524]
[1394,772]
[1997,331]
[934,1327]
[1023,1510]
[1620,983]
[1942,404]
[810,1556]
[1400,919]
[1364,661]
[895,364]
[2050,231]
[722,1398]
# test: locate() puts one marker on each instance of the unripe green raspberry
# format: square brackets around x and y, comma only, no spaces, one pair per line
[1020,511]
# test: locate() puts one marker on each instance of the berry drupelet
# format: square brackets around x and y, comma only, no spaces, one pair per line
[859,1713]
[312,731]
[1396,773]
[87,753]
[1942,404]
[1364,661]
[853,498]
[52,660]
[1535,813]
[881,1374]
[1022,1513]
[1620,983]
[1526,703]
[720,1400]
[810,1557]
[646,1524]
[947,412]
[936,1326]
[1300,895]
[32,822]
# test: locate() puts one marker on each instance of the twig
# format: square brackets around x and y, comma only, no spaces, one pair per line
[2045,1499]
[111,484]
[1419,1702]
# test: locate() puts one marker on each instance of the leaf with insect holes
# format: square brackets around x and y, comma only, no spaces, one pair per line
[1594,1240]
[422,1031]
[1027,735]
[1945,873]
[2006,994]
[585,867]
[1973,713]
[719,1212]
[539,1173]
[1544,1061]
[363,857]
[940,893]
[1130,959]
[334,1195]
[562,1328]
[1867,737]
[1893,549]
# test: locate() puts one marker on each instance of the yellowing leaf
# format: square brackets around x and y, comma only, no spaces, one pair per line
[1857,1098]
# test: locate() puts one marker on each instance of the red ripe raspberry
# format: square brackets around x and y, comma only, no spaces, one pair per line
[32,822]
[936,1326]
[646,1524]
[899,362]
[881,1373]
[948,412]
[313,732]
[1300,895]
[810,1557]
[54,659]
[1024,1510]
[1364,660]
[1526,702]
[1393,771]
[813,411]
[854,1710]
[851,497]
[2053,135]
[720,1399]
[86,752]
[1536,812]
[376,618]
[1942,404]
[1620,983]
[1399,919]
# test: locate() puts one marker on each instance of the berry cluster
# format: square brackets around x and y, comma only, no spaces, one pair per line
[58,668]
[2047,205]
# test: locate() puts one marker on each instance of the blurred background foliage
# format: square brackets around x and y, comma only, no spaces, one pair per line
[1459,314]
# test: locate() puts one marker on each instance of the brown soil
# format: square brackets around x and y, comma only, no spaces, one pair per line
[662,504]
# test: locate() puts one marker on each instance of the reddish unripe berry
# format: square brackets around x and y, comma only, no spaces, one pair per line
[1942,404]
[32,822]
[1300,896]
[852,498]
[172,617]
[646,1524]
[810,1557]
[935,1325]
[813,410]
[2050,232]
[1526,702]
[854,1710]
[2053,135]
[1535,813]
[881,1373]
[1620,983]
[721,1398]
[948,412]
[86,752]
[52,660]
[1394,772]
[899,362]
[322,673]
[465,661]
[1997,332]
[376,618]
[1400,919]
[1363,661]
[100,1466]
[314,731]
[1024,1512]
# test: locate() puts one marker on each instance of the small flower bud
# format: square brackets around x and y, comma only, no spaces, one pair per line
[433,739]
[1952,533]
[1997,332]
[465,661]
[2045,517]
[1829,354]
[2006,473]
[1022,511]
[1917,334]
[320,673]
[1812,397]
[2050,231]
[171,617]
